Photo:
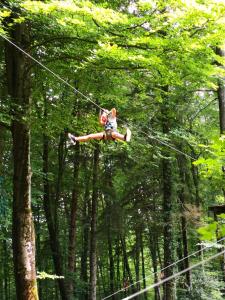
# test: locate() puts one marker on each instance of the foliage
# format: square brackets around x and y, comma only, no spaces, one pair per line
[155,61]
[213,230]
[205,286]
[43,275]
[212,161]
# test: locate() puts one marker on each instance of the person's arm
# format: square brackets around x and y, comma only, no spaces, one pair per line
[113,112]
[100,116]
[103,117]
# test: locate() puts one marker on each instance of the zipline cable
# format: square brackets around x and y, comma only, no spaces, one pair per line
[163,269]
[168,145]
[153,137]
[149,136]
[174,276]
[50,71]
[89,99]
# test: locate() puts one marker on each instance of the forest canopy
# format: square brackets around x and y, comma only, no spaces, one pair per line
[104,219]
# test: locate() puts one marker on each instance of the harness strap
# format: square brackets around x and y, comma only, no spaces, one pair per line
[109,126]
[107,135]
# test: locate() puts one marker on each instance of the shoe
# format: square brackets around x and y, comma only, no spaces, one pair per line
[128,135]
[72,139]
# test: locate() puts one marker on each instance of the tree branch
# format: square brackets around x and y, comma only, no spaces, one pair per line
[64,39]
[201,109]
[6,126]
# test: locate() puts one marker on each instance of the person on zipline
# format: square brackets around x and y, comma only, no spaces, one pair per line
[108,120]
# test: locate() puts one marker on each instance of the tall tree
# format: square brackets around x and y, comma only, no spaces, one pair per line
[167,181]
[19,89]
[49,212]
[73,223]
[183,201]
[124,54]
[93,237]
[85,221]
[221,95]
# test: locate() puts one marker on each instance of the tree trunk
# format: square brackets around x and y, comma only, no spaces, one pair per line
[2,133]
[195,176]
[54,241]
[129,279]
[221,99]
[85,238]
[18,81]
[137,255]
[143,265]
[185,249]
[108,196]
[221,96]
[93,238]
[73,223]
[118,274]
[86,216]
[61,167]
[101,278]
[168,287]
[111,261]
[5,254]
[182,196]
[168,228]
[153,242]
[6,271]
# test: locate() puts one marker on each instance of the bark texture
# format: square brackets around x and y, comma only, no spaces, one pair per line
[221,96]
[49,214]
[93,238]
[73,224]
[18,81]
[167,182]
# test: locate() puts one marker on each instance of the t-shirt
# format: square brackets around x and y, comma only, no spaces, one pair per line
[112,121]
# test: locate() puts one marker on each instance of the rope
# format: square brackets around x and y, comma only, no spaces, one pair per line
[163,269]
[149,136]
[50,71]
[173,276]
[153,137]
[89,99]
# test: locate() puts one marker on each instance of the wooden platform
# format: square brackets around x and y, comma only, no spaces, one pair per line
[217,209]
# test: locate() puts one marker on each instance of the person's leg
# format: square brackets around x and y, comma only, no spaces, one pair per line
[119,136]
[92,136]
[85,138]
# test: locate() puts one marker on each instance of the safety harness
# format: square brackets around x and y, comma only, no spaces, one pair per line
[109,128]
